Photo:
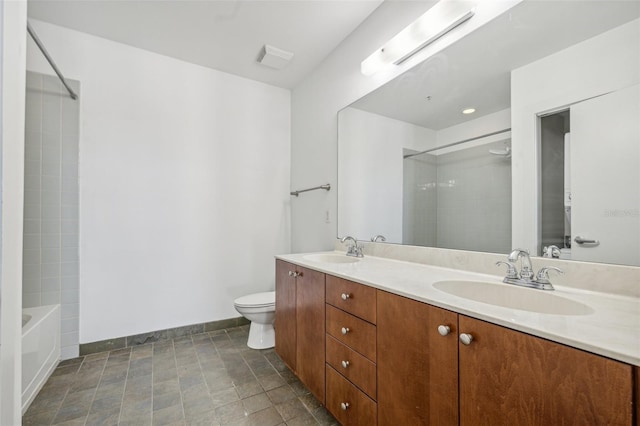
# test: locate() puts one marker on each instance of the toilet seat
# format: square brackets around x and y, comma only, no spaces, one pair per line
[257,300]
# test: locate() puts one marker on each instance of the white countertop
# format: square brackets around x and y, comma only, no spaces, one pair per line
[612,330]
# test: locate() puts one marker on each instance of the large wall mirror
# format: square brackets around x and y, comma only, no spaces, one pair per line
[524,133]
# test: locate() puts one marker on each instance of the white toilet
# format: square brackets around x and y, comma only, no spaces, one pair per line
[260,309]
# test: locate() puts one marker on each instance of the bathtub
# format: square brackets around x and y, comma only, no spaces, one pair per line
[40,349]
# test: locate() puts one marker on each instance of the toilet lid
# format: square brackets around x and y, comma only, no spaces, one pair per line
[257,299]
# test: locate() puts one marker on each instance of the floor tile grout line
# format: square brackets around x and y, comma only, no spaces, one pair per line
[175,360]
[202,372]
[86,418]
[100,381]
[53,419]
[62,400]
[126,379]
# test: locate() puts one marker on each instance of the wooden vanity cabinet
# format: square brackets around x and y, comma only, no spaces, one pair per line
[417,366]
[351,352]
[508,377]
[300,324]
[636,402]
[285,322]
[407,364]
[503,377]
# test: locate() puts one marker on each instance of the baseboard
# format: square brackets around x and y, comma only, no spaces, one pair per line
[159,335]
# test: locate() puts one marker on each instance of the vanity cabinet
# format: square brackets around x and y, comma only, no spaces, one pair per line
[300,325]
[516,378]
[351,352]
[373,357]
[501,377]
[417,366]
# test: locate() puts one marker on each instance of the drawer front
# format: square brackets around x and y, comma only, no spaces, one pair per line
[358,369]
[358,408]
[358,299]
[352,331]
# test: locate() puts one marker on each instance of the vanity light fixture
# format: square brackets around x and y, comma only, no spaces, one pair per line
[436,22]
[468,110]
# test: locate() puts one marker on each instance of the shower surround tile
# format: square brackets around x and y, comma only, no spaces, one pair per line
[51,194]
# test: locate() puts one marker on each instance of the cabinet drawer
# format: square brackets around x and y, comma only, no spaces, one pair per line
[352,331]
[358,369]
[358,299]
[358,408]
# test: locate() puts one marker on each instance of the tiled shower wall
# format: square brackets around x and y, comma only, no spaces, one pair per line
[51,266]
[468,194]
[420,200]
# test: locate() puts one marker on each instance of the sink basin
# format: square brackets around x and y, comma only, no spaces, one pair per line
[510,296]
[331,258]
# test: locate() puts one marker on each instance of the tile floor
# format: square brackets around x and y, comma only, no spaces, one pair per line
[202,379]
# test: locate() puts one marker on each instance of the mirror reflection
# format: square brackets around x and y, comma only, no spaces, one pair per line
[524,133]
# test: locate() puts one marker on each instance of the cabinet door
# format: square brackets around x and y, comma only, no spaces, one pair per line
[417,367]
[509,378]
[310,318]
[285,322]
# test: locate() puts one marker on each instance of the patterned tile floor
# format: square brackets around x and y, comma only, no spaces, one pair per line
[203,379]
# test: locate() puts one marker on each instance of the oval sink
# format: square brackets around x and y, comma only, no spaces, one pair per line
[510,296]
[331,258]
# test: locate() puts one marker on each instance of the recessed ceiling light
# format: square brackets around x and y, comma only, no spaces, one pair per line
[469,111]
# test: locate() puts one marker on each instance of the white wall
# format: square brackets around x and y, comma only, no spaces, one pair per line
[336,83]
[602,64]
[184,185]
[13,40]
[370,196]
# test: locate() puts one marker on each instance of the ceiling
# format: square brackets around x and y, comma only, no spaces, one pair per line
[219,34]
[475,71]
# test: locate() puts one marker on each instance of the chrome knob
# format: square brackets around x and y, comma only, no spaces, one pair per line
[345,330]
[345,364]
[444,330]
[466,338]
[345,296]
[291,273]
[344,406]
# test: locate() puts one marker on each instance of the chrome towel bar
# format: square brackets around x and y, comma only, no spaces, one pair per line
[296,193]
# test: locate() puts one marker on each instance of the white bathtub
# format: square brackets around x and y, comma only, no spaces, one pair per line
[40,349]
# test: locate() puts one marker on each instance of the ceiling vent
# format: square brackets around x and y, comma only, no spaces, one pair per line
[274,57]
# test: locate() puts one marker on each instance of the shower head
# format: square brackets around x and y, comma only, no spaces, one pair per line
[506,152]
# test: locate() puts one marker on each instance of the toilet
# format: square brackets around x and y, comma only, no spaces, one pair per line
[260,309]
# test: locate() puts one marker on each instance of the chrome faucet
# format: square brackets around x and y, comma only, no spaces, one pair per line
[526,271]
[526,276]
[353,250]
[378,238]
[551,251]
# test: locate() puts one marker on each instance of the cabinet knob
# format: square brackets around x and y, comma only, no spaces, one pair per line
[291,273]
[345,364]
[344,406]
[444,330]
[298,274]
[466,338]
[345,296]
[345,330]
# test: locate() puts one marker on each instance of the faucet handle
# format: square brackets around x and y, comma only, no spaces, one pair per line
[511,269]
[543,274]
